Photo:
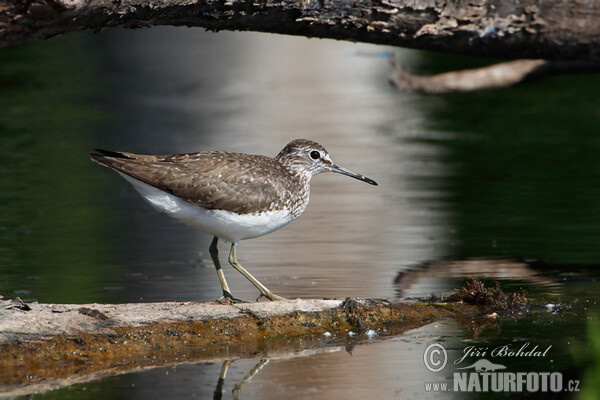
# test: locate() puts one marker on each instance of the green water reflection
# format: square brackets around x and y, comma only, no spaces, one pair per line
[526,165]
[49,236]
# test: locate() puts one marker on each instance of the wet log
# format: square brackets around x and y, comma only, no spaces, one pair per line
[45,346]
[551,29]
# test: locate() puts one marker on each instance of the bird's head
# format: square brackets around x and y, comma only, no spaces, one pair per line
[306,159]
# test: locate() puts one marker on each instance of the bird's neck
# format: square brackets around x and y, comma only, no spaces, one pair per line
[300,199]
[296,168]
[299,190]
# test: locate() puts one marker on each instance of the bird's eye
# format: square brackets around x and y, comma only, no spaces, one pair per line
[315,155]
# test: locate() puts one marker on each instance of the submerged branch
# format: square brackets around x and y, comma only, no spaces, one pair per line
[495,76]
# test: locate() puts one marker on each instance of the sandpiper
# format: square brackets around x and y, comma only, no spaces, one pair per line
[231,196]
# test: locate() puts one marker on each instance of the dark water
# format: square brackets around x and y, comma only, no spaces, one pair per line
[508,177]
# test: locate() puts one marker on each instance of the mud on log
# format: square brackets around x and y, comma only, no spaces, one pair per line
[551,29]
[51,343]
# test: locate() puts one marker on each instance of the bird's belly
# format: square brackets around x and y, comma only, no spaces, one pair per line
[221,223]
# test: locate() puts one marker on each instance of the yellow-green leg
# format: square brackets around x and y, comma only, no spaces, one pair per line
[214,254]
[262,288]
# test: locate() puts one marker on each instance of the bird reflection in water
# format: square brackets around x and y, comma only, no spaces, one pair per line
[218,393]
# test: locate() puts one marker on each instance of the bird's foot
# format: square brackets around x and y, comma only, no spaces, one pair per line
[271,296]
[228,299]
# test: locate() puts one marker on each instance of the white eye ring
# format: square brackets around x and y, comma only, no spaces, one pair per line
[315,155]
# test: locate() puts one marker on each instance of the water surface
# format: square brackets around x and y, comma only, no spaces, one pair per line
[510,175]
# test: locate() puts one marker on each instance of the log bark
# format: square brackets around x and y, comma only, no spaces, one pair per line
[550,29]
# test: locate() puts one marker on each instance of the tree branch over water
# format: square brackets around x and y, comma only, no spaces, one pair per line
[552,29]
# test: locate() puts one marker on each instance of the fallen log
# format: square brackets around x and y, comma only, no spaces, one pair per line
[52,345]
[46,346]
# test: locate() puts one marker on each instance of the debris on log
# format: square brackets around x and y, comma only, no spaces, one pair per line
[491,298]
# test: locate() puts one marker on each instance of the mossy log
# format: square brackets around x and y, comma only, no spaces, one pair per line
[43,346]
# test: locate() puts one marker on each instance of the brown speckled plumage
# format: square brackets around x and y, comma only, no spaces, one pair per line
[236,182]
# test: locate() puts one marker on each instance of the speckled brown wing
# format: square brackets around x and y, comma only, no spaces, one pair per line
[214,180]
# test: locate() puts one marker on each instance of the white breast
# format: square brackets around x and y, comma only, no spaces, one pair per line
[223,224]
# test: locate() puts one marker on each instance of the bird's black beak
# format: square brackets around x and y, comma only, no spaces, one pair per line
[346,171]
